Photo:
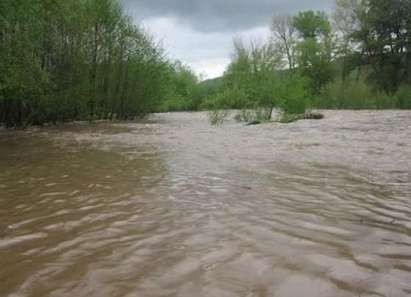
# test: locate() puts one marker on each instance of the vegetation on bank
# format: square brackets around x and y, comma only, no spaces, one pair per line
[358,59]
[64,60]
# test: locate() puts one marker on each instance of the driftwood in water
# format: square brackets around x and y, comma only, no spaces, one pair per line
[289,118]
[253,123]
[312,116]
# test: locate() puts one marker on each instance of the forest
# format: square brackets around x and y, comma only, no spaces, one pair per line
[68,60]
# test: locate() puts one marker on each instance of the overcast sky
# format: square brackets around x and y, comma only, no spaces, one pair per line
[200,32]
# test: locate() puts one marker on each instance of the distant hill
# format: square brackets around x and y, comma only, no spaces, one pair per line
[209,87]
[214,83]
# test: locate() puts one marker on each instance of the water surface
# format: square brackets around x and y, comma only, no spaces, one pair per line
[175,207]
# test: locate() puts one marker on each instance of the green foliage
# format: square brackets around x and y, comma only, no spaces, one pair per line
[314,51]
[258,114]
[218,107]
[210,87]
[358,94]
[188,93]
[287,118]
[255,84]
[74,60]
[218,116]
[205,90]
[246,115]
[384,36]
[182,90]
[292,95]
[64,60]
[252,75]
[353,94]
[373,56]
[315,64]
[312,24]
[229,98]
[174,103]
[403,96]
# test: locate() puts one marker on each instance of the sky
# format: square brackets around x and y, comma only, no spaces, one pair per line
[200,33]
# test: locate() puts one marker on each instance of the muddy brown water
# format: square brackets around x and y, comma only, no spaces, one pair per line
[175,207]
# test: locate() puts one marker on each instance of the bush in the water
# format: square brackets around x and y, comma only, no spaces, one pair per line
[245,115]
[253,115]
[218,116]
[289,118]
[293,98]
[217,111]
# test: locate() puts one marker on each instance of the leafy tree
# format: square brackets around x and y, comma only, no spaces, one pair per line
[256,80]
[254,71]
[283,32]
[184,89]
[346,22]
[314,50]
[312,25]
[384,37]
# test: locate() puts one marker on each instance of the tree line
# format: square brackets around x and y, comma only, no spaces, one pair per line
[359,56]
[65,60]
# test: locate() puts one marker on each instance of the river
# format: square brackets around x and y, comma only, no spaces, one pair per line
[175,207]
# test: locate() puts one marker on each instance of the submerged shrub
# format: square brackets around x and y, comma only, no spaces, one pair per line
[218,116]
[217,108]
[293,105]
[293,95]
[253,115]
[288,118]
[245,115]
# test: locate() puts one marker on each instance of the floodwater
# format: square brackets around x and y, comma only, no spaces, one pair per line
[175,207]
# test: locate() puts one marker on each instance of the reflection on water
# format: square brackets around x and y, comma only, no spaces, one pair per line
[174,207]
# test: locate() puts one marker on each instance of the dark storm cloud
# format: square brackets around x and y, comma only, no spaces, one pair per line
[200,32]
[221,15]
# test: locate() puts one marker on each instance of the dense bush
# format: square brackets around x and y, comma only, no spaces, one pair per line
[293,95]
[358,94]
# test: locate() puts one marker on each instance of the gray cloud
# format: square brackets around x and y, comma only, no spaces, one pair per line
[200,32]
[221,15]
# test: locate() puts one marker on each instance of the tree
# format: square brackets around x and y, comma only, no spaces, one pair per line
[384,37]
[253,72]
[346,22]
[283,32]
[184,85]
[312,24]
[314,50]
[256,80]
